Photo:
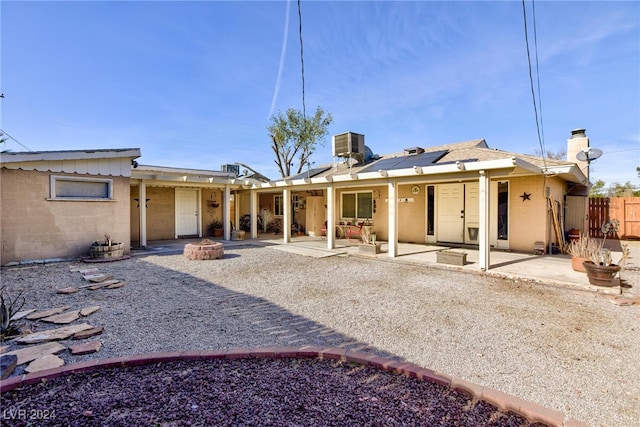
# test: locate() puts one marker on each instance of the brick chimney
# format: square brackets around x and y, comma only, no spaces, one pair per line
[578,142]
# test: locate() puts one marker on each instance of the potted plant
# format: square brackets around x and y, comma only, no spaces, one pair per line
[106,249]
[216,228]
[582,249]
[601,270]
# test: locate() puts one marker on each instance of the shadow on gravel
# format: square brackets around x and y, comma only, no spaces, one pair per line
[162,309]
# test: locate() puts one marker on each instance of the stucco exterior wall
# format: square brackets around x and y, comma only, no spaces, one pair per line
[161,213]
[411,215]
[34,228]
[529,219]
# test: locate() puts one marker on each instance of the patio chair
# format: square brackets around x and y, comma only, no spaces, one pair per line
[355,230]
[323,230]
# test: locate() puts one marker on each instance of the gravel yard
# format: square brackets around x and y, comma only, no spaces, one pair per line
[571,351]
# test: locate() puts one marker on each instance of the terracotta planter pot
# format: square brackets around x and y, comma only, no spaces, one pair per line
[576,263]
[601,275]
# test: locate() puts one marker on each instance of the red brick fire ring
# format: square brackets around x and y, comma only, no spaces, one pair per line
[204,250]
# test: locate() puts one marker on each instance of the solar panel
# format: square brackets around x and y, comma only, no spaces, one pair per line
[311,172]
[406,162]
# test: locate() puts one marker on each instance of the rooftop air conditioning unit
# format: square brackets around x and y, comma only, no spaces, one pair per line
[235,169]
[348,145]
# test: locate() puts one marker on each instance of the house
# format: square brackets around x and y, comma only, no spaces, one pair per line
[54,204]
[182,203]
[458,194]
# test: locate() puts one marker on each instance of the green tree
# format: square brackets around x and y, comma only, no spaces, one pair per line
[622,190]
[3,139]
[597,189]
[294,137]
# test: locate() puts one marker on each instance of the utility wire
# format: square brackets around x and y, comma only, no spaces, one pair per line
[535,43]
[533,93]
[12,138]
[304,112]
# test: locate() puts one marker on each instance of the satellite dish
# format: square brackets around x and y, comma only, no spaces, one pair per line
[589,154]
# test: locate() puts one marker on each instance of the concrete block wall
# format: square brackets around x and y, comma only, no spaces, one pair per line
[35,228]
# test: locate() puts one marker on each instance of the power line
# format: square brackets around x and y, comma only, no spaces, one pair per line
[304,110]
[18,142]
[533,93]
[535,44]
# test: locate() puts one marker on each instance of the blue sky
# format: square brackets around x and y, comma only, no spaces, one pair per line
[193,84]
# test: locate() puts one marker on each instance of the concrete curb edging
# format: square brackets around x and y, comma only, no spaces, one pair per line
[533,412]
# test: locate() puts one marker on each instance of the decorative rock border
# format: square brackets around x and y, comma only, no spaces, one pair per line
[205,250]
[531,411]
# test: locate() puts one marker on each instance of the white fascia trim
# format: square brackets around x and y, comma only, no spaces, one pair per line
[47,156]
[181,172]
[571,170]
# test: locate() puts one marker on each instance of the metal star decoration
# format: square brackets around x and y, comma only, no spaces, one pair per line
[526,196]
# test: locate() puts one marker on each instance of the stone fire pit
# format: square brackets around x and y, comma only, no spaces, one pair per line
[206,249]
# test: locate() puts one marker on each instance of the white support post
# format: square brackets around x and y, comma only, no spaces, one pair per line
[331,218]
[142,202]
[393,218]
[226,213]
[254,213]
[286,219]
[483,233]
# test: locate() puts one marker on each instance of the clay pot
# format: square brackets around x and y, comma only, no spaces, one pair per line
[576,263]
[601,275]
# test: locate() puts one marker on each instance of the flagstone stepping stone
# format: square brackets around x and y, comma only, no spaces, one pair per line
[19,315]
[89,310]
[85,348]
[8,363]
[89,271]
[116,285]
[97,278]
[97,286]
[46,313]
[4,348]
[622,301]
[101,284]
[53,334]
[69,290]
[88,333]
[63,318]
[26,355]
[49,361]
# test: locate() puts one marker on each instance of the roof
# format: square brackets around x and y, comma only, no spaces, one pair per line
[105,162]
[454,158]
[36,156]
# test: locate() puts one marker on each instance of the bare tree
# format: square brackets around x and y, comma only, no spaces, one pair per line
[294,137]
[550,154]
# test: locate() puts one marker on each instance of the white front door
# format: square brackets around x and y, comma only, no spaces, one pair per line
[471,213]
[187,212]
[450,213]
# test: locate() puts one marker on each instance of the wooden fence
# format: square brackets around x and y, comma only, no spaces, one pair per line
[624,209]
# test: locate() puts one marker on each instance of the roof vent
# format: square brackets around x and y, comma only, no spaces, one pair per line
[413,150]
[578,133]
[235,169]
[348,144]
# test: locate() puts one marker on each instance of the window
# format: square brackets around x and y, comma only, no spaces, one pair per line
[503,210]
[357,205]
[278,206]
[431,212]
[74,188]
